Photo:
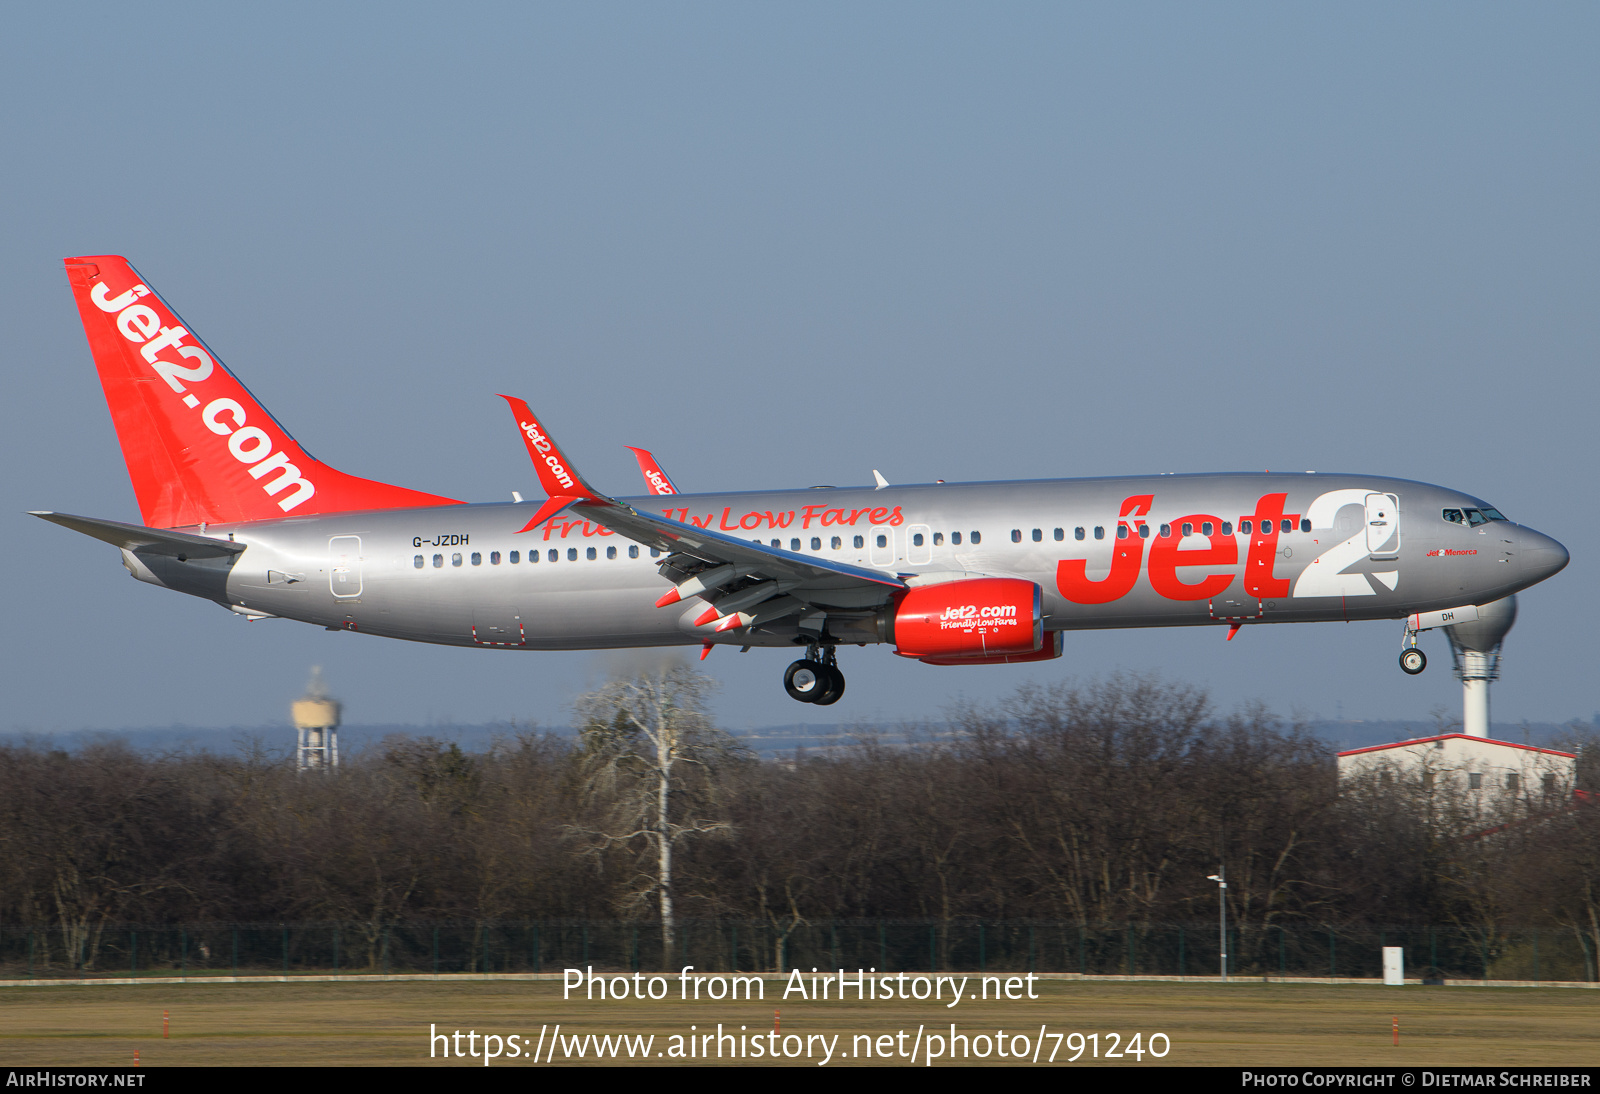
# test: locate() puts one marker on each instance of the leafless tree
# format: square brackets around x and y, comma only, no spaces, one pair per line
[650,759]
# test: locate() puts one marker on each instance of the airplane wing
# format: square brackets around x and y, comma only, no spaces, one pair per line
[655,479]
[745,582]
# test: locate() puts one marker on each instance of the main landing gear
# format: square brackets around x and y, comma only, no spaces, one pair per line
[816,678]
[1412,660]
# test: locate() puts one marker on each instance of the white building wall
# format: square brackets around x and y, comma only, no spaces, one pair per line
[1454,759]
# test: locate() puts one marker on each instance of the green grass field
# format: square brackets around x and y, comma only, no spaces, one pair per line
[387,1023]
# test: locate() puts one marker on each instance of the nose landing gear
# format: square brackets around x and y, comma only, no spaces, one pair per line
[815,678]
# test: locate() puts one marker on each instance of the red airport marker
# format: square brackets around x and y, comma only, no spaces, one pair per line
[164,1024]
[1396,1031]
[135,1057]
[775,1022]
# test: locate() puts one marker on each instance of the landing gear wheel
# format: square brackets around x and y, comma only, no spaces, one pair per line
[1413,661]
[833,689]
[807,681]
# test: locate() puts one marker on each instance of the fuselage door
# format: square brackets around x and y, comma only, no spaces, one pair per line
[1383,525]
[344,566]
[919,544]
[880,543]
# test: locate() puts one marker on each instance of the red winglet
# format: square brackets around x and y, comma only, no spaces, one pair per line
[655,478]
[555,471]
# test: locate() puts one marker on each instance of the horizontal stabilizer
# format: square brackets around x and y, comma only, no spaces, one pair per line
[134,537]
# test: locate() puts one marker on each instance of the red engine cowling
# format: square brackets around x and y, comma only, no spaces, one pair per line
[1047,652]
[979,617]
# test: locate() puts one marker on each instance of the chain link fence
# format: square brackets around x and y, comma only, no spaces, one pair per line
[888,945]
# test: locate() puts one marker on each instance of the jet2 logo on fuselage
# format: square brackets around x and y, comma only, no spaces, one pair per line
[1166,556]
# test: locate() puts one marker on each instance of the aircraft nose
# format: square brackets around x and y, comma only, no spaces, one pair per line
[1542,556]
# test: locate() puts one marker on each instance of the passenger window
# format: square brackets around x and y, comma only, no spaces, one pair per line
[1144,531]
[611,552]
[916,540]
[555,555]
[1227,527]
[633,550]
[1286,526]
[860,543]
[1061,534]
[1165,531]
[955,539]
[516,556]
[655,552]
[1205,528]
[836,543]
[1099,532]
[1122,531]
[1038,535]
[882,541]
[494,558]
[572,554]
[778,543]
[1244,526]
[438,560]
[590,553]
[1305,524]
[977,537]
[1077,533]
[1188,529]
[1454,516]
[938,539]
[1016,535]
[816,543]
[794,544]
[455,559]
[477,558]
[417,562]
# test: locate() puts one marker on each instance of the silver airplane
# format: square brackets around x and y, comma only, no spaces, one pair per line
[236,512]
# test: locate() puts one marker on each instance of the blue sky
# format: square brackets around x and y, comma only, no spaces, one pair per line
[782,245]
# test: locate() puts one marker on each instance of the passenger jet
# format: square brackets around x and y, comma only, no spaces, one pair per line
[233,510]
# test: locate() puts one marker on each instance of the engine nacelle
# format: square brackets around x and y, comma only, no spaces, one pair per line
[1047,652]
[978,617]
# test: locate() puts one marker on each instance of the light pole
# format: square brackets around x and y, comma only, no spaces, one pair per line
[1221,878]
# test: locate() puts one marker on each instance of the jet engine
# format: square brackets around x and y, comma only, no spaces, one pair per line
[985,617]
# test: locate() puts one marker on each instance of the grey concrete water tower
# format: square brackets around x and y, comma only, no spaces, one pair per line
[1475,649]
[316,721]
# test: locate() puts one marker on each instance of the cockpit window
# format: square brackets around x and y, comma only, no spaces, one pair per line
[1471,517]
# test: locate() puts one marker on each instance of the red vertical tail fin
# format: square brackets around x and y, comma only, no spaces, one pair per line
[199,448]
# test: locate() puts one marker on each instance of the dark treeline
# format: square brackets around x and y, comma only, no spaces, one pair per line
[1105,803]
